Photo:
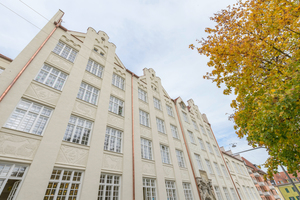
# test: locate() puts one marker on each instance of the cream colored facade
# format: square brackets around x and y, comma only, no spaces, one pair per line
[240,174]
[45,165]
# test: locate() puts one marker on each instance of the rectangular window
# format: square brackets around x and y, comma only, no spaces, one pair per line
[201,144]
[218,193]
[191,135]
[52,77]
[170,111]
[187,191]
[94,67]
[63,184]
[149,189]
[65,51]
[88,93]
[116,106]
[109,187]
[160,125]
[224,170]
[209,167]
[156,103]
[247,195]
[113,140]
[118,81]
[185,117]
[11,176]
[202,129]
[29,117]
[227,195]
[228,165]
[252,197]
[78,130]
[180,159]
[199,162]
[240,194]
[165,155]
[287,190]
[253,191]
[216,150]
[209,148]
[217,169]
[233,194]
[142,95]
[236,169]
[146,149]
[195,125]
[174,131]
[144,118]
[210,133]
[171,190]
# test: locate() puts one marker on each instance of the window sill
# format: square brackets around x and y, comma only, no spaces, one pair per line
[113,153]
[114,114]
[167,164]
[73,144]
[21,133]
[64,58]
[47,87]
[143,101]
[119,88]
[148,127]
[86,103]
[183,168]
[177,139]
[147,160]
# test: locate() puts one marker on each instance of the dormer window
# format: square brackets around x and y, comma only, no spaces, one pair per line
[96,50]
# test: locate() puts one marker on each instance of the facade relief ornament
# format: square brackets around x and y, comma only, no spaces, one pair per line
[148,168]
[205,187]
[72,155]
[55,60]
[111,162]
[41,93]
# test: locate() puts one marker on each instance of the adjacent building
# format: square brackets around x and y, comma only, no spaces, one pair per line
[76,124]
[283,184]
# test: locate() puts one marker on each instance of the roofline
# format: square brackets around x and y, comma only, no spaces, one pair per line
[6,58]
[233,157]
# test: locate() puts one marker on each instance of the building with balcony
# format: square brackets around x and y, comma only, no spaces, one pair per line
[264,187]
[77,124]
[282,183]
[244,183]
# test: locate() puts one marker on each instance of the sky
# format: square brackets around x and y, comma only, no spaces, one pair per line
[148,34]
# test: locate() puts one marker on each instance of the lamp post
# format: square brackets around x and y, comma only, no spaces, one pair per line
[280,166]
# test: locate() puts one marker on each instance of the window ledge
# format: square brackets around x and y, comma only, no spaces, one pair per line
[116,115]
[63,58]
[46,86]
[73,144]
[21,133]
[86,103]
[147,160]
[113,153]
[119,88]
[148,127]
[168,165]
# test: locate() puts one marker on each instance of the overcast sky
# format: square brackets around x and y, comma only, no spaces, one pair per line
[148,34]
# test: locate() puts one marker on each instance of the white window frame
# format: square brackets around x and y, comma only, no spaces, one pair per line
[191,135]
[142,95]
[104,185]
[171,190]
[174,131]
[160,125]
[218,193]
[94,68]
[113,140]
[195,125]
[217,169]
[88,93]
[146,149]
[165,154]
[180,158]
[210,133]
[201,144]
[202,129]
[78,130]
[149,189]
[199,162]
[210,169]
[61,179]
[23,115]
[188,194]
[209,148]
[216,150]
[224,171]
[170,111]
[227,195]
[245,190]
[144,118]
[51,77]
[233,194]
[116,106]
[236,168]
[118,81]
[156,103]
[185,117]
[61,50]
[12,171]
[228,165]
[250,193]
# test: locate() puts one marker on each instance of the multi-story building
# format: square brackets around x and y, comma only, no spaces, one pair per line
[282,183]
[76,124]
[241,176]
[266,190]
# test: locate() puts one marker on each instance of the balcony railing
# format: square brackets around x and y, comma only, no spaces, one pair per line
[271,187]
[267,194]
[261,184]
[256,174]
[260,192]
[277,196]
[254,181]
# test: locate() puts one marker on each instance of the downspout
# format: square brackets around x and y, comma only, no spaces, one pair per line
[225,163]
[132,120]
[185,143]
[30,60]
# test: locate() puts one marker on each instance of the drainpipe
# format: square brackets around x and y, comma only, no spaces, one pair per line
[185,143]
[30,60]
[132,120]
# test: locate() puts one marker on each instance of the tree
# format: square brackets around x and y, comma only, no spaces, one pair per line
[254,50]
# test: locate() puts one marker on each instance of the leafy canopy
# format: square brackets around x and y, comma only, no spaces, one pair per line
[254,49]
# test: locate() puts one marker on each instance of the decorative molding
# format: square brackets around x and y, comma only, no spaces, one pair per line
[111,162]
[17,146]
[142,86]
[119,72]
[72,155]
[169,172]
[116,121]
[145,132]
[163,138]
[117,92]
[148,168]
[56,60]
[84,109]
[185,175]
[70,42]
[144,105]
[205,186]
